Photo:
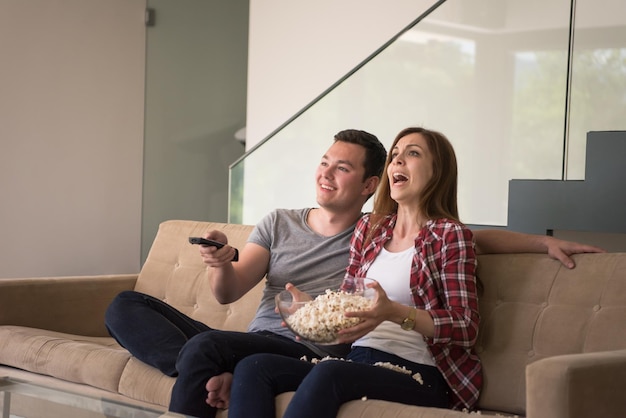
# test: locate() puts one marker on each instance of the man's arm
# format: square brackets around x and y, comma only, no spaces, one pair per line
[490,241]
[231,280]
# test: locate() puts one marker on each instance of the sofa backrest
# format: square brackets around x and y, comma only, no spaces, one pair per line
[532,307]
[175,273]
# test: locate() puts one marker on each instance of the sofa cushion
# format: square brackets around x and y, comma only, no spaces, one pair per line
[96,361]
[142,382]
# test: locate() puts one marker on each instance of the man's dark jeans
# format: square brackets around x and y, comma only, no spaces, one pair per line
[150,329]
[161,336]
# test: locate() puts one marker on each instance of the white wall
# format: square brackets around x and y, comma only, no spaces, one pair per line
[297,49]
[71,136]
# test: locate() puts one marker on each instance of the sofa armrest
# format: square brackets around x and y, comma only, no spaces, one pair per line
[577,385]
[73,305]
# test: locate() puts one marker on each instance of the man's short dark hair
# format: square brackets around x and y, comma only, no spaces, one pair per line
[375,153]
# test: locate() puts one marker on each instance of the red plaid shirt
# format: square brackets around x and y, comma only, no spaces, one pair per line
[443,282]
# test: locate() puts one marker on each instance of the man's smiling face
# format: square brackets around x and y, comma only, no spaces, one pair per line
[339,177]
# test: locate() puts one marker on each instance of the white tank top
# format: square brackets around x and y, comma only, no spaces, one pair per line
[393,271]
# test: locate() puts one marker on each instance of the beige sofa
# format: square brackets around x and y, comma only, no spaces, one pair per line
[552,340]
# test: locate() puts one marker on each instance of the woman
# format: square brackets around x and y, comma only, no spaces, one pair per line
[424,321]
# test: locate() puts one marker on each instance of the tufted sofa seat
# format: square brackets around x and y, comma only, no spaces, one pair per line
[552,340]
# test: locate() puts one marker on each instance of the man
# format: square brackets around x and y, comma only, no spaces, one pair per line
[306,247]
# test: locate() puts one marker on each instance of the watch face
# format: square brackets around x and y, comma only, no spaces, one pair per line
[407,324]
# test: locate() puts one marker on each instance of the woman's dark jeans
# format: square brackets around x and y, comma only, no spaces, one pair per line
[323,388]
[169,340]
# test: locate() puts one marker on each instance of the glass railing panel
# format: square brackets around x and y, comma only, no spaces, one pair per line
[598,86]
[490,75]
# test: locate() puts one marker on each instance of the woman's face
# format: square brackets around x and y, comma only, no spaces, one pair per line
[410,169]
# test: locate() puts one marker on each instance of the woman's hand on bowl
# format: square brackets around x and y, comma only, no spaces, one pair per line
[370,318]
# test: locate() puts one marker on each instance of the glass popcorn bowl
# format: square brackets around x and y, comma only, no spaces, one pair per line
[319,320]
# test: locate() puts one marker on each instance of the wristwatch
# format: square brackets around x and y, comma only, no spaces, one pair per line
[408,323]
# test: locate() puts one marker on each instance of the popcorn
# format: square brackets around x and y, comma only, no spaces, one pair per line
[401,369]
[417,376]
[321,319]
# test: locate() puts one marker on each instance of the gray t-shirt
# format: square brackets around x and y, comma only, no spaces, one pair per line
[298,255]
